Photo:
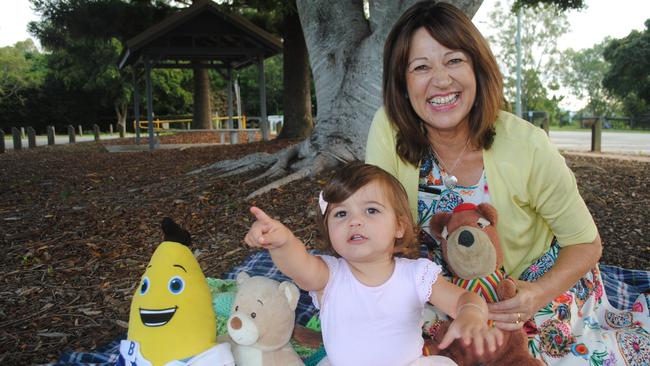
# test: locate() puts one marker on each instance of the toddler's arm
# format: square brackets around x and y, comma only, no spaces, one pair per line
[309,272]
[470,316]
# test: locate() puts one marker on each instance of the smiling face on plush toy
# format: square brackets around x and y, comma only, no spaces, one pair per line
[168,289]
[469,239]
[171,311]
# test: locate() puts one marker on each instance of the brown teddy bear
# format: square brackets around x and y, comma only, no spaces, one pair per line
[470,247]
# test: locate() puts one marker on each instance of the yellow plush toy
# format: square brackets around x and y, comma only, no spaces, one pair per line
[172,321]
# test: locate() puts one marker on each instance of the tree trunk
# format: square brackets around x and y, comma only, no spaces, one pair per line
[120,111]
[202,114]
[345,53]
[297,91]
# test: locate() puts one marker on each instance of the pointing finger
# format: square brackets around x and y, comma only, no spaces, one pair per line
[260,215]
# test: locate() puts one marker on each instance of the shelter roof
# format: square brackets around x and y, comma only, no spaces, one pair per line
[201,33]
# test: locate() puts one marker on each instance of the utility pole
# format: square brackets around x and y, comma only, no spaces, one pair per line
[518,43]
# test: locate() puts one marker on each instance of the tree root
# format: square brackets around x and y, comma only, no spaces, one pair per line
[246,164]
[281,166]
[300,157]
[320,164]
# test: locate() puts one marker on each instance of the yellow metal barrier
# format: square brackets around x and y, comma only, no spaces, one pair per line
[241,118]
[159,125]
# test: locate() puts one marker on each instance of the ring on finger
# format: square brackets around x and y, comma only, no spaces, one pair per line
[518,319]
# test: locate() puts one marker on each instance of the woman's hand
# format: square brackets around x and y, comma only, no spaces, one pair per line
[470,325]
[266,232]
[511,314]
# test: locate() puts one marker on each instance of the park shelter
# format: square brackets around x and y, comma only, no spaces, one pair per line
[204,36]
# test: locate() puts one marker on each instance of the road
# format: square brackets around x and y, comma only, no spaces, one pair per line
[612,142]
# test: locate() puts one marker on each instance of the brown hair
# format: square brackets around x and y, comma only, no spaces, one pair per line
[454,30]
[355,175]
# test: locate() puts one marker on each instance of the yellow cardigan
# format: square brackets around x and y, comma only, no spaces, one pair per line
[533,190]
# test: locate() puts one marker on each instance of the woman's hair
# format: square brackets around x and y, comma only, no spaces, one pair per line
[454,30]
[355,175]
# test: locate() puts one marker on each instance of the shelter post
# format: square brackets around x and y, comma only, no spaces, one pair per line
[264,123]
[136,107]
[229,123]
[147,67]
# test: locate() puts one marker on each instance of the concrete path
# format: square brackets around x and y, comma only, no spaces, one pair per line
[60,140]
[145,147]
[612,142]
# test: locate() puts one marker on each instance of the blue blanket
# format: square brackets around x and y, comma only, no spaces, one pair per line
[622,286]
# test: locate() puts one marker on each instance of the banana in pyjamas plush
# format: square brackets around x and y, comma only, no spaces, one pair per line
[172,322]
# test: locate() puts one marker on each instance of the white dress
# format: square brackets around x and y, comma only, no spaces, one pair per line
[381,325]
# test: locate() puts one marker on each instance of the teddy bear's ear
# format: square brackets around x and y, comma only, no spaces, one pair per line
[438,223]
[242,277]
[489,212]
[291,292]
[173,232]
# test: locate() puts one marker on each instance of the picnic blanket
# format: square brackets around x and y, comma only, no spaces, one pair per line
[624,289]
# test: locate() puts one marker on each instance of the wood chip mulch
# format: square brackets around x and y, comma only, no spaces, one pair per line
[79,225]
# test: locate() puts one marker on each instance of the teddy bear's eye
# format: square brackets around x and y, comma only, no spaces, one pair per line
[482,222]
[253,315]
[237,308]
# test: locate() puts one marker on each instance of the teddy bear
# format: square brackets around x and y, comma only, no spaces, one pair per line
[471,250]
[262,320]
[171,321]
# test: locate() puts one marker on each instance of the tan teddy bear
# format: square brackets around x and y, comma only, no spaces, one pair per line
[470,247]
[261,322]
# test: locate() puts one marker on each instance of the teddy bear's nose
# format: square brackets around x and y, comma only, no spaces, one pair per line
[466,238]
[235,323]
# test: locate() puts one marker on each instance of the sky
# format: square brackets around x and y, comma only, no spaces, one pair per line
[589,26]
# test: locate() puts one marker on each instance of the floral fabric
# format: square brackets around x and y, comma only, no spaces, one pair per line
[579,327]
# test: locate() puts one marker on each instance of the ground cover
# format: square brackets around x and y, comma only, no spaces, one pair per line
[78,225]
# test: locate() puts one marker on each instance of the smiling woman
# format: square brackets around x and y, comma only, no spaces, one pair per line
[441,128]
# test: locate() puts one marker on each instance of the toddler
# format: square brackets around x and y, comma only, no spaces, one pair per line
[371,301]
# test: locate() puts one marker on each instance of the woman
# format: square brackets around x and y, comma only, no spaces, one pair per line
[442,135]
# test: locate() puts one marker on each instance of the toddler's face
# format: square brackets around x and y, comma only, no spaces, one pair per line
[364,227]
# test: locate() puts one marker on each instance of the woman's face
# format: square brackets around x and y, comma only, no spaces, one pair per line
[440,82]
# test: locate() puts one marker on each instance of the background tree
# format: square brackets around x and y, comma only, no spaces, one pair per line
[85,39]
[543,24]
[280,17]
[202,108]
[275,87]
[562,5]
[19,70]
[629,74]
[583,76]
[22,75]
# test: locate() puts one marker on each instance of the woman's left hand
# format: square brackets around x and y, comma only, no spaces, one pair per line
[511,314]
